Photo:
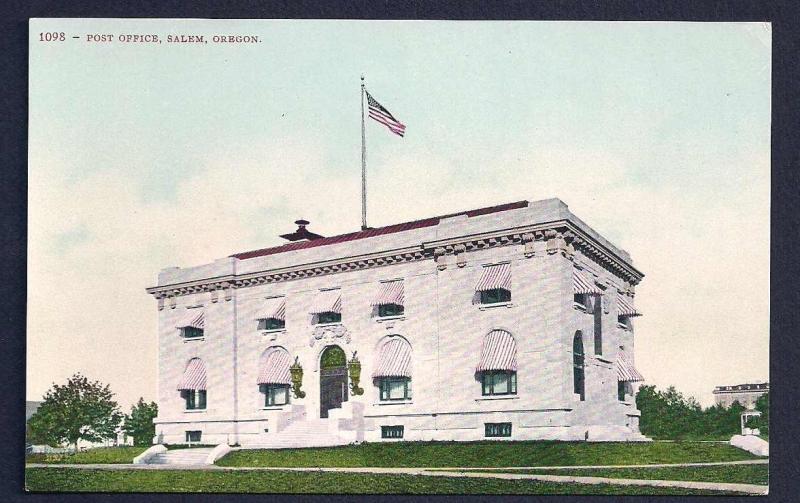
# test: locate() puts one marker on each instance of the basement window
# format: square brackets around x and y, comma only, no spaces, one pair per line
[498,429]
[193,436]
[395,431]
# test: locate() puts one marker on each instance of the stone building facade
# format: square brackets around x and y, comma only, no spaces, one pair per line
[509,322]
[745,394]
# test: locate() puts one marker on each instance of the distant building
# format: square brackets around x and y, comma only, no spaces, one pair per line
[514,321]
[745,394]
[30,408]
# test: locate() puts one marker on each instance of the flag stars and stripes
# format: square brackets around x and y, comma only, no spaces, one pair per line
[378,113]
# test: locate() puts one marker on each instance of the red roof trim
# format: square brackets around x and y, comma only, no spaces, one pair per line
[389,229]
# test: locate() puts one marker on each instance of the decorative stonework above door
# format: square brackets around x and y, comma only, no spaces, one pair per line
[330,334]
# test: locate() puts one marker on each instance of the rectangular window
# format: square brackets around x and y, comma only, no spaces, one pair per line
[390,310]
[272,324]
[275,394]
[392,431]
[495,296]
[395,388]
[499,382]
[193,436]
[621,391]
[598,326]
[579,299]
[329,317]
[195,399]
[192,332]
[498,429]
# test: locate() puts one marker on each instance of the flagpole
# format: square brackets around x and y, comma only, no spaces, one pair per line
[363,162]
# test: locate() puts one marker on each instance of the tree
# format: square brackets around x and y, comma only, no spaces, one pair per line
[79,410]
[139,424]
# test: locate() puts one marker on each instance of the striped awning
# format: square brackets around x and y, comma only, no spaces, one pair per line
[391,292]
[194,318]
[581,283]
[625,369]
[327,301]
[498,352]
[625,307]
[494,277]
[194,377]
[275,368]
[272,308]
[394,359]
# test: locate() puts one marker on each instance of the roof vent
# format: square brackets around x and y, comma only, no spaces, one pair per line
[301,234]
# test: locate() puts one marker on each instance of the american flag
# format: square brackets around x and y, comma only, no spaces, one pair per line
[380,114]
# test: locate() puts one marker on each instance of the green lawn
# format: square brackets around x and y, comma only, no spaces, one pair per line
[102,455]
[76,480]
[489,454]
[739,474]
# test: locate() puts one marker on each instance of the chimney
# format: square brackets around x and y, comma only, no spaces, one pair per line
[301,234]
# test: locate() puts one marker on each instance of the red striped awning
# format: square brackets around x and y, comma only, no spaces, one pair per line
[194,318]
[581,283]
[273,308]
[625,369]
[494,277]
[194,377]
[390,292]
[498,352]
[275,368]
[625,307]
[394,359]
[327,301]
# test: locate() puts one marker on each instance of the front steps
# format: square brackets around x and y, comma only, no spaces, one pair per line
[308,433]
[181,457]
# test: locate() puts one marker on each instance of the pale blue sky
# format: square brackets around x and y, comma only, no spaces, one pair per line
[656,134]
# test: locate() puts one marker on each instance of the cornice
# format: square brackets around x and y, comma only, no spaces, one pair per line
[560,236]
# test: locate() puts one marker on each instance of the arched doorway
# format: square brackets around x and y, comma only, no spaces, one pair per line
[332,379]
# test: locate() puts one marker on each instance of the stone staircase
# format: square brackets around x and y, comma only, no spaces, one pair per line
[304,433]
[181,457]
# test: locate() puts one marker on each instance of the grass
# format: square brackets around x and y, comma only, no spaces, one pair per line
[488,454]
[739,474]
[100,455]
[75,480]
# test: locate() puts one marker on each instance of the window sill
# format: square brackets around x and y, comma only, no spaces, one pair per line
[484,307]
[394,402]
[381,319]
[194,411]
[579,307]
[273,331]
[623,327]
[602,358]
[334,324]
[497,397]
[274,407]
[192,339]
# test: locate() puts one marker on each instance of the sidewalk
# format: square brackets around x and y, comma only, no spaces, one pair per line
[470,472]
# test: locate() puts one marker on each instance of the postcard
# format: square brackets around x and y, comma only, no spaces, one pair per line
[398,257]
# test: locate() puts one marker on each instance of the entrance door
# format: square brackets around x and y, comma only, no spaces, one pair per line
[332,379]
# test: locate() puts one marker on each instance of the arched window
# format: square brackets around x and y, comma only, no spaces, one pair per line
[274,377]
[498,364]
[577,365]
[193,385]
[392,372]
